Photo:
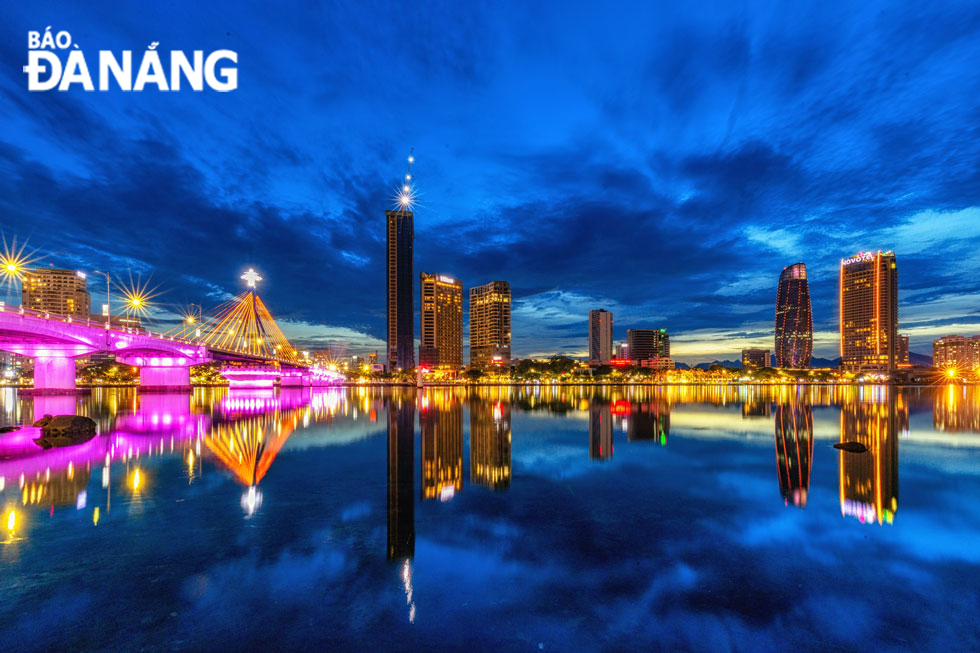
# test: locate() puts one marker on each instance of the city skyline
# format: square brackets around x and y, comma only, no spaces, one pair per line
[737,147]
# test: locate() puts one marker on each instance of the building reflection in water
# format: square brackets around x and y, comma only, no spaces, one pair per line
[490,443]
[873,416]
[600,430]
[649,421]
[956,409]
[401,482]
[441,422]
[794,450]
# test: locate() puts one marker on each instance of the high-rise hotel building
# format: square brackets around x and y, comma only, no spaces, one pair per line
[401,283]
[869,312]
[490,324]
[441,344]
[794,321]
[600,336]
[62,292]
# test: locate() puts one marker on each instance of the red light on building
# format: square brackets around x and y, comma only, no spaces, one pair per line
[620,407]
[620,362]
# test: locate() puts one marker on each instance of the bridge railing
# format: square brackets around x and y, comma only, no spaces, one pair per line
[68,319]
[101,324]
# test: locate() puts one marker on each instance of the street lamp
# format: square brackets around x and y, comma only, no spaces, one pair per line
[108,302]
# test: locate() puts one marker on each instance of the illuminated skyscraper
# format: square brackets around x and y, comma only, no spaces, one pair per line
[869,481]
[400,282]
[600,336]
[442,323]
[490,444]
[794,321]
[794,451]
[441,421]
[401,482]
[61,292]
[490,324]
[869,312]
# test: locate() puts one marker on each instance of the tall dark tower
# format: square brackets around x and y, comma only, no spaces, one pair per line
[794,321]
[401,278]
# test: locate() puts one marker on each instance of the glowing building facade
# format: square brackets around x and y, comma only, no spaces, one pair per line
[869,312]
[956,352]
[794,320]
[600,337]
[490,324]
[400,283]
[441,345]
[61,292]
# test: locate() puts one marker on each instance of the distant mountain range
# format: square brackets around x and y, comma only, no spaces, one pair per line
[914,359]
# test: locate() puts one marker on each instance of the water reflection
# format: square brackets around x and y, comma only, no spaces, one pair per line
[600,431]
[242,434]
[869,481]
[441,422]
[649,420]
[794,450]
[489,443]
[401,482]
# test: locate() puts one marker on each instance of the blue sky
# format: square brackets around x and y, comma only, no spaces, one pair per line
[662,161]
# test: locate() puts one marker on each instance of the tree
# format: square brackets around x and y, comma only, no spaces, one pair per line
[561,364]
[523,366]
[474,374]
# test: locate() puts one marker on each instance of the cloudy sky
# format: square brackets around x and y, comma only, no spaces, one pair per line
[664,163]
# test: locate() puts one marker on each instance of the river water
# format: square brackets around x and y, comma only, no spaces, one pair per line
[541,518]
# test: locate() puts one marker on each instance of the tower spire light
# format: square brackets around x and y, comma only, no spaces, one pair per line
[251,278]
[406,196]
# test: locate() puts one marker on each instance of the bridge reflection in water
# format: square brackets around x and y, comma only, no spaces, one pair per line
[241,433]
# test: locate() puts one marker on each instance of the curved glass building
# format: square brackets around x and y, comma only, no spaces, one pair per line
[794,321]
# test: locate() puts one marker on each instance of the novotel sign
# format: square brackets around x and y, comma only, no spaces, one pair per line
[862,257]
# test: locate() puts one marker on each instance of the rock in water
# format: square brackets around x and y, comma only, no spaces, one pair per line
[64,430]
[44,420]
[851,447]
[9,429]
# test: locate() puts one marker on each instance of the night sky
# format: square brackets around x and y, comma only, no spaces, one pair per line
[663,163]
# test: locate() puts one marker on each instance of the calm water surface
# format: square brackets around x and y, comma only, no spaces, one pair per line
[506,518]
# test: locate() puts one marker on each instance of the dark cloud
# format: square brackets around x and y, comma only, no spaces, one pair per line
[665,162]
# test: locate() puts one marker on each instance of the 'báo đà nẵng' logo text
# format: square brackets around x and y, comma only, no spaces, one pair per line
[54,62]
